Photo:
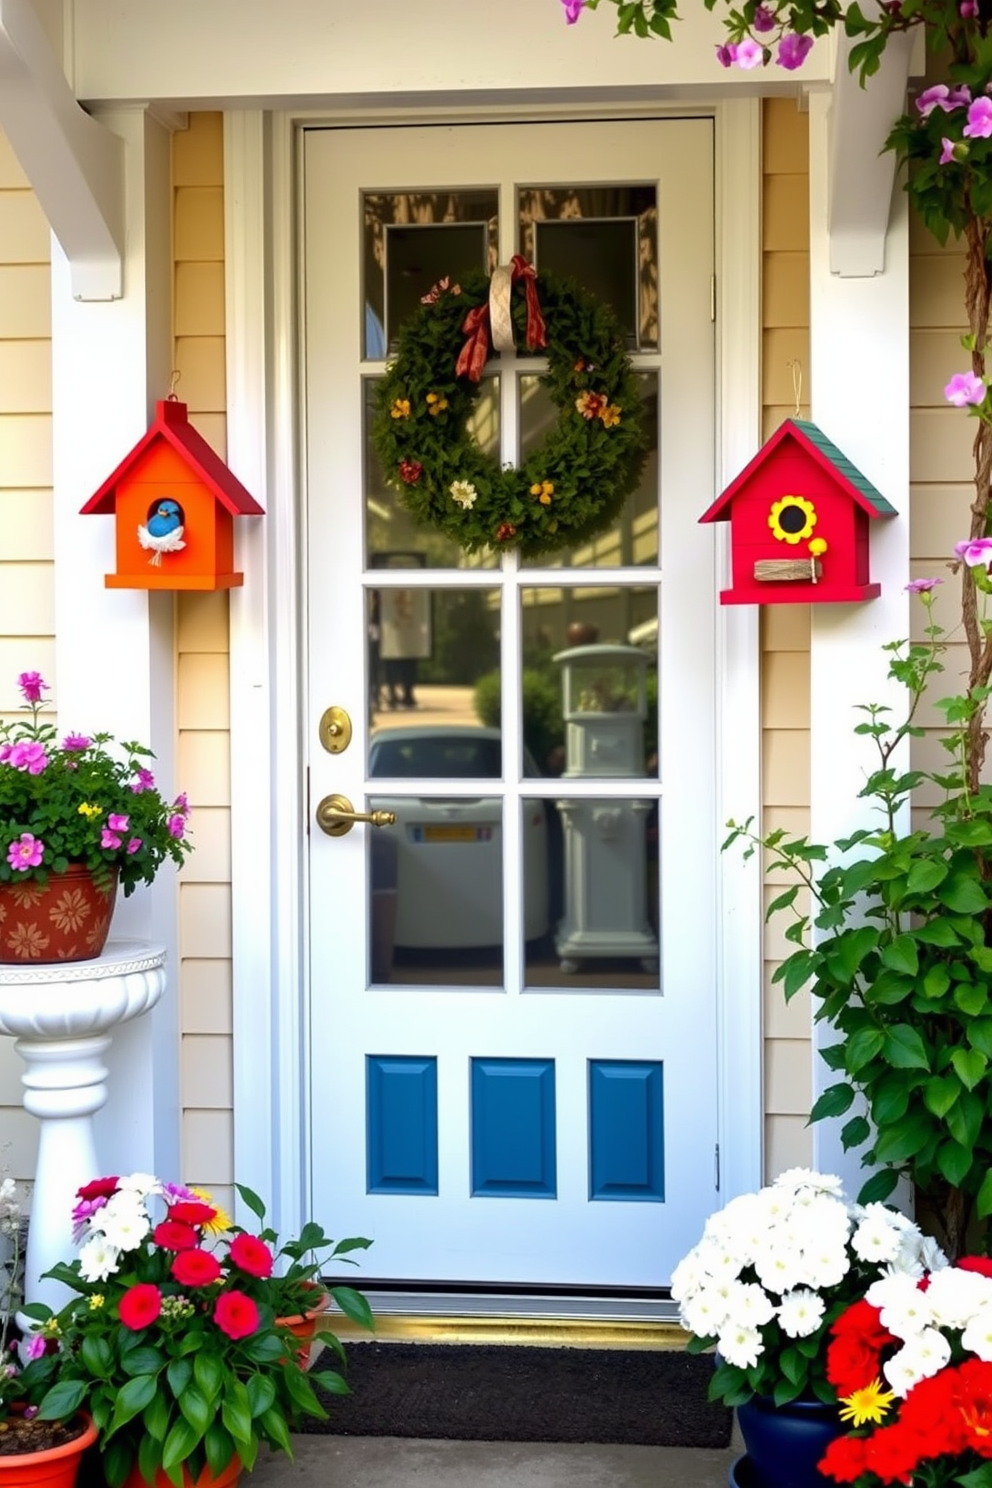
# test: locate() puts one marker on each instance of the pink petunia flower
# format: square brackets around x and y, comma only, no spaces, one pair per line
[975,552]
[29,756]
[793,51]
[25,853]
[144,780]
[936,97]
[177,825]
[73,742]
[749,54]
[117,823]
[947,153]
[133,844]
[573,9]
[32,686]
[109,839]
[979,125]
[963,388]
[764,19]
[921,586]
[726,54]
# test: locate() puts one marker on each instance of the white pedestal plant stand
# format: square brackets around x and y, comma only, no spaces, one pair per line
[62,1017]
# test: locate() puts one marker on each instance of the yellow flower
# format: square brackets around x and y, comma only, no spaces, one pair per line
[436,403]
[85,809]
[543,490]
[97,1300]
[400,408]
[610,415]
[221,1220]
[866,1406]
[792,519]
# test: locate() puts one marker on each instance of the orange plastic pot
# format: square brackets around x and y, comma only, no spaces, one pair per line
[304,1325]
[54,1467]
[224,1479]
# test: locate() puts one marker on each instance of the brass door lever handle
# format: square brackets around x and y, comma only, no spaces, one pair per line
[336,816]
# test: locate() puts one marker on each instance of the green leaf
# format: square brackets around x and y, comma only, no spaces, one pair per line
[63,1399]
[336,1384]
[179,1374]
[925,875]
[854,1132]
[979,1035]
[849,949]
[141,1360]
[905,1139]
[179,1443]
[155,1417]
[299,1389]
[904,1048]
[879,1186]
[979,1477]
[901,955]
[354,1306]
[251,1200]
[954,1162]
[834,1101]
[938,932]
[963,894]
[208,1371]
[196,1408]
[863,1047]
[983,1203]
[274,1427]
[96,1354]
[936,981]
[219,1447]
[261,1393]
[236,1412]
[939,1094]
[132,1398]
[970,1066]
[970,998]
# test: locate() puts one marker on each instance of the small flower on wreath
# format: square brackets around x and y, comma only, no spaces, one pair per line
[84,800]
[410,471]
[610,415]
[505,531]
[437,290]
[591,405]
[178,1318]
[772,1272]
[543,490]
[911,1362]
[436,403]
[400,408]
[463,493]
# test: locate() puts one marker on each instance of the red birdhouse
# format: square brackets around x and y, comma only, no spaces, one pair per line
[799,518]
[175,502]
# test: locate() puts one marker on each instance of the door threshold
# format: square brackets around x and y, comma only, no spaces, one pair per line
[551,1321]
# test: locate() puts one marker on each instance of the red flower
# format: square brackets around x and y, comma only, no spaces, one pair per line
[973,1399]
[852,1364]
[252,1255]
[172,1235]
[505,531]
[892,1453]
[100,1188]
[195,1268]
[844,1459]
[981,1264]
[140,1305]
[410,471]
[235,1314]
[192,1213]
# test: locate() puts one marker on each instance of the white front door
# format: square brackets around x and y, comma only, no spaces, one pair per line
[512,988]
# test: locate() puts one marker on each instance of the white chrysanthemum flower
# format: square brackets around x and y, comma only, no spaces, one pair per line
[125,1227]
[904,1308]
[464,493]
[779,1270]
[797,1178]
[876,1238]
[705,1314]
[921,1358]
[932,1258]
[143,1184]
[800,1313]
[97,1259]
[688,1277]
[977,1336]
[955,1296]
[741,1346]
[718,1260]
[750,1304]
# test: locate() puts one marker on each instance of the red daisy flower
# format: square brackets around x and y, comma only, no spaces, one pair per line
[140,1305]
[235,1314]
[252,1255]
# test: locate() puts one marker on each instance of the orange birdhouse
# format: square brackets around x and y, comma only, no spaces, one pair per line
[174,501]
[799,521]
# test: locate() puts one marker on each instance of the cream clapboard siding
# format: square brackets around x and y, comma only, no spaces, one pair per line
[785,629]
[27,619]
[203,767]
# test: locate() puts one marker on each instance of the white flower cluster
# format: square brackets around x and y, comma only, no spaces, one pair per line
[799,1238]
[954,1299]
[114,1226]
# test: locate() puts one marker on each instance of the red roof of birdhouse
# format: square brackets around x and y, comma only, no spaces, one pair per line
[824,453]
[172,426]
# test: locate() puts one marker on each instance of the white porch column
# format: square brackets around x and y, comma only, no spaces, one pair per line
[859,381]
[115,648]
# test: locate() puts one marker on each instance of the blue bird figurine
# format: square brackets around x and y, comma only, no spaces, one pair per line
[164,530]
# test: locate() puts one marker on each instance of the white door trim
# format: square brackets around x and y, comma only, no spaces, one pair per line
[271,1043]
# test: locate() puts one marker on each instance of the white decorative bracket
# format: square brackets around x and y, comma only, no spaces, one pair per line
[75,165]
[862,171]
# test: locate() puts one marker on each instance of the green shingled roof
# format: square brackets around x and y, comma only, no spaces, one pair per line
[850,472]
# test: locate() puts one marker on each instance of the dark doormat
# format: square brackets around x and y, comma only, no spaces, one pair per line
[498,1392]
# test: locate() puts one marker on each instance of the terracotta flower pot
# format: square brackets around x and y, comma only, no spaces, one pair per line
[67,919]
[304,1325]
[224,1479]
[52,1467]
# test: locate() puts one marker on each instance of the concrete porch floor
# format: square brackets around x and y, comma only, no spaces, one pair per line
[394,1462]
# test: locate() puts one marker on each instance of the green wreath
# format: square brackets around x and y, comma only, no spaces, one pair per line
[572,486]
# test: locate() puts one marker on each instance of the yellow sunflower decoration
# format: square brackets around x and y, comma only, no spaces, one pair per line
[792,519]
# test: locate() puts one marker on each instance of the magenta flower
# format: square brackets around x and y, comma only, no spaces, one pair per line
[109,838]
[32,1347]
[177,825]
[793,51]
[949,147]
[979,125]
[117,823]
[939,96]
[749,54]
[26,853]
[573,9]
[975,552]
[29,757]
[963,388]
[144,780]
[133,844]
[181,804]
[967,9]
[764,19]
[76,741]
[921,586]
[32,686]
[727,54]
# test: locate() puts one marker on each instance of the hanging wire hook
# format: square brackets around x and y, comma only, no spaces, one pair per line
[797,382]
[173,381]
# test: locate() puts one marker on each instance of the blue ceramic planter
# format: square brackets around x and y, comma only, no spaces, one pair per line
[784,1444]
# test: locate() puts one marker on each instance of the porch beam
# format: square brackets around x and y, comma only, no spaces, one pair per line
[861,172]
[75,164]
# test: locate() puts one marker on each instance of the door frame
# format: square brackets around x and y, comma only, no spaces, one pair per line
[267,670]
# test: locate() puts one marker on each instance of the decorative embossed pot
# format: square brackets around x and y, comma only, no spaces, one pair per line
[67,919]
